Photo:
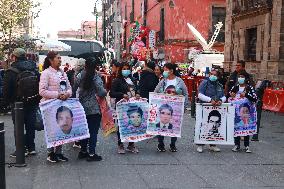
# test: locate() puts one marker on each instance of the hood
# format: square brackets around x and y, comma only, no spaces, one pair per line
[24,65]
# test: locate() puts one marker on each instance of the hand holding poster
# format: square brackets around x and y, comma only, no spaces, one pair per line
[245,117]
[132,120]
[165,114]
[214,125]
[64,122]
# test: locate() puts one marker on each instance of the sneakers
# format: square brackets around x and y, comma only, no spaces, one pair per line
[236,149]
[94,157]
[161,148]
[76,145]
[199,149]
[247,150]
[14,154]
[173,148]
[52,158]
[83,155]
[132,149]
[32,152]
[121,149]
[214,148]
[61,157]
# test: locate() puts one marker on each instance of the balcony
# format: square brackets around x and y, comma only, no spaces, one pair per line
[244,7]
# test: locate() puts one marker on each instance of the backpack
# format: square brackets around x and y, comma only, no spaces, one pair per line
[27,87]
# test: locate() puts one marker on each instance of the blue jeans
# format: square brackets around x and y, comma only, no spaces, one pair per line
[29,121]
[94,123]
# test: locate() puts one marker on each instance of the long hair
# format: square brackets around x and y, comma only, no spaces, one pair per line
[119,73]
[50,56]
[90,69]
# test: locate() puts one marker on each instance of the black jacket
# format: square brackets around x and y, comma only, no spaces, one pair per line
[148,82]
[10,79]
[249,91]
[119,87]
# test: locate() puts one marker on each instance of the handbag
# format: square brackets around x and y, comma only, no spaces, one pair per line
[39,122]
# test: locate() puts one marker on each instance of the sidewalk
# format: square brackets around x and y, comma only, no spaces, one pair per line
[187,169]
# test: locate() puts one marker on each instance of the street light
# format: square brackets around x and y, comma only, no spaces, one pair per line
[96,14]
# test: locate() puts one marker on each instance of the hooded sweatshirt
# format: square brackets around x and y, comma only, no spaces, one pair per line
[148,82]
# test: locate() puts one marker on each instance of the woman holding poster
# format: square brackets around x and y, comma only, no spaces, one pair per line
[244,111]
[173,85]
[124,87]
[90,86]
[54,84]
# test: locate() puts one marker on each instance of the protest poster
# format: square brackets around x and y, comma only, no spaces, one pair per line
[165,114]
[64,121]
[245,117]
[132,119]
[108,126]
[214,124]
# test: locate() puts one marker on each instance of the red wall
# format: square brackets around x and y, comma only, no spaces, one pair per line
[196,12]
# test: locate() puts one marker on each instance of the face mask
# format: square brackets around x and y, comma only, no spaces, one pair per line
[165,74]
[241,80]
[213,78]
[126,73]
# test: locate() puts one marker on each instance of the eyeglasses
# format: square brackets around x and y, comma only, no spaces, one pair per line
[170,92]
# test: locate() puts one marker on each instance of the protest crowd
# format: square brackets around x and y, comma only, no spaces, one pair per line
[141,104]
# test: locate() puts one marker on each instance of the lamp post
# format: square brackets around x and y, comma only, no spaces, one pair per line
[96,14]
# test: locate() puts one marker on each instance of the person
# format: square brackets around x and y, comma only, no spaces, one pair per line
[64,119]
[222,77]
[20,84]
[166,113]
[54,84]
[90,86]
[233,79]
[180,88]
[159,72]
[148,80]
[124,87]
[135,117]
[243,90]
[213,124]
[211,91]
[114,68]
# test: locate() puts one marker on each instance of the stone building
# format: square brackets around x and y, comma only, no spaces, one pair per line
[255,33]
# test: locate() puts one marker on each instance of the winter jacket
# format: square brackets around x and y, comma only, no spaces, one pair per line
[180,86]
[147,83]
[49,85]
[10,79]
[88,98]
[209,90]
[250,93]
[119,87]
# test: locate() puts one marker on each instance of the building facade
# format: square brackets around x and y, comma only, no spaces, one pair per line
[254,33]
[168,19]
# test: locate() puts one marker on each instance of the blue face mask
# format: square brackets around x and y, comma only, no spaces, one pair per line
[126,73]
[241,80]
[165,74]
[213,78]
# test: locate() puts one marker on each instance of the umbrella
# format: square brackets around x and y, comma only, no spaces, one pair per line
[52,45]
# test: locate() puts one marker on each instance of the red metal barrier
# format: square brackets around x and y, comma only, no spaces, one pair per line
[273,100]
[192,83]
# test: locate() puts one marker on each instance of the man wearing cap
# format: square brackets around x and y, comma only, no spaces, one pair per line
[10,95]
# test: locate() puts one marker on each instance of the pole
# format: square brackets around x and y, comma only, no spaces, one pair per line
[104,24]
[193,104]
[96,24]
[20,138]
[2,156]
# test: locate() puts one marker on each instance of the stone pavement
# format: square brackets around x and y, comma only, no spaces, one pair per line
[187,169]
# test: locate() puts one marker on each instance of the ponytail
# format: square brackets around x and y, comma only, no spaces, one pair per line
[50,56]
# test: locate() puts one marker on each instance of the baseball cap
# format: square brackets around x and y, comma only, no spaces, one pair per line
[19,52]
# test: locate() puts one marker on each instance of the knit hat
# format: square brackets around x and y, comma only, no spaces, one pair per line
[19,52]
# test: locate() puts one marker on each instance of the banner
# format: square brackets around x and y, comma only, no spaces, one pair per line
[214,125]
[64,121]
[165,114]
[132,120]
[245,117]
[108,126]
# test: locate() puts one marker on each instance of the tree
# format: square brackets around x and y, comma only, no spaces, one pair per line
[13,14]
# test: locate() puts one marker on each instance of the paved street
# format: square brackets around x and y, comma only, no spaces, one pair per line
[264,168]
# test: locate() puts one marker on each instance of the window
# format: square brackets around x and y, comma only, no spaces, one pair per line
[125,12]
[132,13]
[219,15]
[162,25]
[251,38]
